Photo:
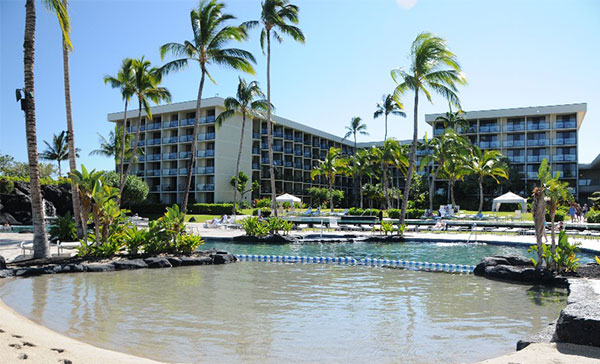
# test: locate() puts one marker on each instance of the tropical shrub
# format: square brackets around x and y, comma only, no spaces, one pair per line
[255,227]
[387,227]
[135,190]
[263,212]
[263,203]
[187,243]
[394,213]
[414,213]
[276,224]
[135,239]
[210,208]
[593,217]
[401,229]
[558,216]
[6,186]
[355,211]
[563,259]
[64,228]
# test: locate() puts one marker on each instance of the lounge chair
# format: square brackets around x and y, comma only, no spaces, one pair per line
[318,212]
[349,227]
[341,213]
[307,212]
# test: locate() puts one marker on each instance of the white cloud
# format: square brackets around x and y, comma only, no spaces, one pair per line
[406,4]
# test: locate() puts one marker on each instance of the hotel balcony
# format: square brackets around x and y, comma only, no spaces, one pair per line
[206,136]
[170,140]
[565,125]
[170,124]
[537,142]
[205,153]
[155,141]
[514,143]
[565,141]
[514,127]
[538,126]
[186,138]
[489,129]
[185,155]
[153,172]
[536,158]
[169,172]
[517,159]
[169,156]
[564,158]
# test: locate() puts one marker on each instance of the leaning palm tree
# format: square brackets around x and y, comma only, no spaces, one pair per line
[58,150]
[276,16]
[210,35]
[250,101]
[40,242]
[330,167]
[145,87]
[356,127]
[386,107]
[434,68]
[486,164]
[124,82]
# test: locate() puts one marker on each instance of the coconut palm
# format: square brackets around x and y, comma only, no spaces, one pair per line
[391,154]
[40,242]
[358,166]
[486,164]
[356,127]
[58,150]
[111,146]
[386,107]
[210,35]
[249,101]
[124,82]
[145,87]
[453,120]
[434,68]
[330,167]
[275,18]
[87,183]
[455,167]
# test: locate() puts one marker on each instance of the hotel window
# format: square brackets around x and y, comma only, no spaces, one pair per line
[537,123]
[515,124]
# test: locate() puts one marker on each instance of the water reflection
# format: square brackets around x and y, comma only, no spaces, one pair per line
[541,295]
[273,313]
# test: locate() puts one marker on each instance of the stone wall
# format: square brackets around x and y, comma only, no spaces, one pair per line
[15,207]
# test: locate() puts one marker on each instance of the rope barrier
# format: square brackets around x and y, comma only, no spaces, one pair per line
[390,263]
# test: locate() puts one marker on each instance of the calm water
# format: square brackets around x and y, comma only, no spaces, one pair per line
[254,312]
[452,253]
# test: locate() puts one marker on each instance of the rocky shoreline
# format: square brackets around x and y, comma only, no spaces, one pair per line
[78,265]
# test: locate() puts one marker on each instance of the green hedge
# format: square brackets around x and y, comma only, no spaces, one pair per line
[264,212]
[211,208]
[43,181]
[593,217]
[558,216]
[357,211]
[415,213]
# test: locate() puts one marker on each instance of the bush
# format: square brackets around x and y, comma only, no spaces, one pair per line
[387,227]
[186,244]
[211,208]
[355,211]
[263,203]
[135,190]
[148,208]
[414,213]
[255,227]
[394,213]
[593,217]
[263,212]
[6,186]
[276,224]
[64,228]
[558,216]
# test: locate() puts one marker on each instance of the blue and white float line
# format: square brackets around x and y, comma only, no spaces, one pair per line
[406,264]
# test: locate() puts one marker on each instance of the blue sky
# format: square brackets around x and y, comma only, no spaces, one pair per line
[514,53]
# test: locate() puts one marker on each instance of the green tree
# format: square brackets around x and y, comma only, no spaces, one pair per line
[87,183]
[454,120]
[57,150]
[455,168]
[386,107]
[145,86]
[41,248]
[111,146]
[484,164]
[210,35]
[358,166]
[356,127]
[374,192]
[124,81]
[434,68]
[249,101]
[330,167]
[391,154]
[275,18]
[135,191]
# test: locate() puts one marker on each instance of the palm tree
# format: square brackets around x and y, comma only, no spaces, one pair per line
[454,120]
[442,150]
[386,107]
[356,127]
[330,167]
[40,242]
[246,103]
[275,17]
[538,210]
[434,68]
[145,87]
[210,35]
[87,183]
[455,168]
[58,150]
[389,155]
[359,165]
[111,146]
[124,82]
[486,164]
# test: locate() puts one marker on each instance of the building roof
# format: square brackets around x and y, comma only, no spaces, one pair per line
[593,165]
[579,108]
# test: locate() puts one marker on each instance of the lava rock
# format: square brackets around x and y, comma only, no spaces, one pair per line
[99,267]
[158,262]
[195,260]
[546,335]
[579,322]
[130,264]
[385,239]
[5,273]
[221,258]
[30,272]
[2,262]
[175,262]
[6,217]
[269,239]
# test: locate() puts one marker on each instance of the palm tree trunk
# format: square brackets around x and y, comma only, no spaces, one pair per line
[385,135]
[59,171]
[237,167]
[79,221]
[452,194]
[123,147]
[411,163]
[135,148]
[269,131]
[480,196]
[552,235]
[354,177]
[331,192]
[188,183]
[384,185]
[40,242]
[538,209]
[360,190]
[431,191]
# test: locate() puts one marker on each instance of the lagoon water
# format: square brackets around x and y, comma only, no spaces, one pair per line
[254,312]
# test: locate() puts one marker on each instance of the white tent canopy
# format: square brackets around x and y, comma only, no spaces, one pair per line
[509,197]
[286,197]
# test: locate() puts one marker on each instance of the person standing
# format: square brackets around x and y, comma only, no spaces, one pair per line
[586,209]
[572,212]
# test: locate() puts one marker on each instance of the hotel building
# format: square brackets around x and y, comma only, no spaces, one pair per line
[526,136]
[167,142]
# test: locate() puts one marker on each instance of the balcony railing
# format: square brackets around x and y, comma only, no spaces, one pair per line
[307,167]
[205,170]
[170,140]
[514,127]
[537,142]
[517,159]
[255,135]
[568,173]
[288,150]
[185,154]
[206,136]
[255,150]
[167,188]
[205,187]
[186,122]
[298,165]
[169,172]
[205,153]
[564,157]
[298,152]
[153,126]
[186,138]
[288,163]
[278,134]
[171,124]
[514,143]
[264,160]
[277,162]
[564,141]
[288,136]
[153,172]
[437,131]
[531,175]
[298,139]
[155,141]
[278,148]
[167,156]
[565,125]
[538,126]
[255,165]
[536,158]
[489,129]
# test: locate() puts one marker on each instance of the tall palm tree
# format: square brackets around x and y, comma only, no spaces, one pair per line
[386,107]
[40,242]
[210,35]
[330,167]
[389,155]
[124,82]
[486,164]
[112,147]
[58,150]
[356,127]
[358,166]
[434,68]
[275,18]
[455,168]
[246,103]
[145,87]
[454,120]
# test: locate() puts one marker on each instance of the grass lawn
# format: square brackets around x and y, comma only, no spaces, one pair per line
[526,216]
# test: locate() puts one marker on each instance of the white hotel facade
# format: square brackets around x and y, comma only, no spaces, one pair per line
[525,135]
